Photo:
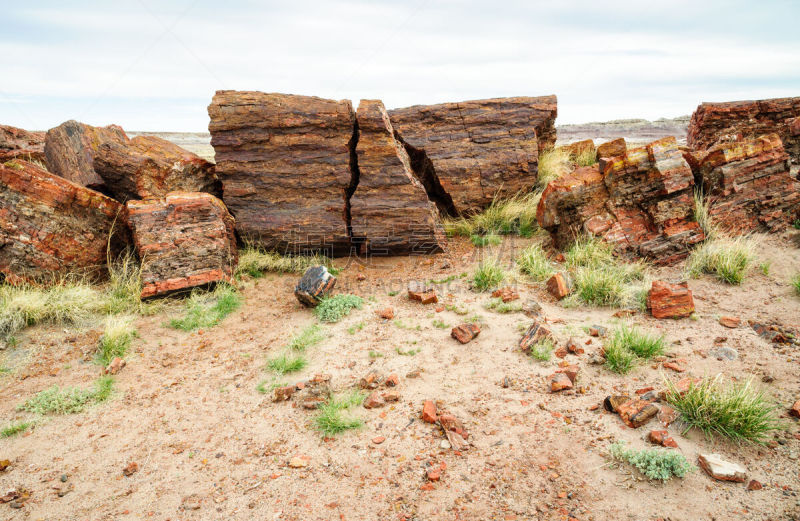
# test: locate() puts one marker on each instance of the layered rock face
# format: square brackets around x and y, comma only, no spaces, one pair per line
[640,201]
[284,163]
[470,152]
[70,149]
[749,184]
[715,122]
[19,143]
[389,209]
[51,226]
[148,166]
[184,240]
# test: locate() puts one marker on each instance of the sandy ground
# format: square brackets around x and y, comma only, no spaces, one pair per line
[209,446]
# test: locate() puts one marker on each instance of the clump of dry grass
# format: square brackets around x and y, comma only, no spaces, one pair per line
[515,215]
[727,258]
[553,163]
[255,261]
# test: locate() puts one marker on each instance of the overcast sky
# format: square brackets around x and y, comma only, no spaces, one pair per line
[154,65]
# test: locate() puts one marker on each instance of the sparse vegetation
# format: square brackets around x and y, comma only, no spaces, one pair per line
[207,309]
[553,163]
[55,400]
[738,410]
[125,286]
[727,258]
[255,262]
[796,283]
[335,308]
[586,157]
[658,464]
[485,240]
[331,419]
[287,363]
[515,215]
[542,350]
[534,263]
[627,344]
[703,216]
[410,352]
[499,306]
[308,337]
[440,324]
[488,274]
[118,334]
[14,429]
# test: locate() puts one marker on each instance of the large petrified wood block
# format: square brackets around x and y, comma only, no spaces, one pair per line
[19,143]
[390,211]
[284,162]
[50,226]
[70,149]
[183,240]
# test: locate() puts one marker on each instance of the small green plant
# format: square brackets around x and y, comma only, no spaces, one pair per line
[627,344]
[355,328]
[726,258]
[402,325]
[117,337]
[410,352]
[764,267]
[654,463]
[589,251]
[55,400]
[619,359]
[125,286]
[14,429]
[331,421]
[458,310]
[375,354]
[393,293]
[255,261]
[542,350]
[796,224]
[335,308]
[285,364]
[533,262]
[308,337]
[485,240]
[796,283]
[440,324]
[499,306]
[738,410]
[265,387]
[488,274]
[445,280]
[207,309]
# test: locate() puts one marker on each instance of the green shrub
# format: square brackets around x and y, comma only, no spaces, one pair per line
[206,309]
[534,263]
[14,429]
[589,251]
[488,274]
[499,306]
[55,400]
[335,308]
[654,463]
[726,258]
[627,344]
[117,337]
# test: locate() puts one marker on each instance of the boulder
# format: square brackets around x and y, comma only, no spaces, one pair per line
[468,153]
[70,149]
[185,240]
[50,226]
[713,123]
[749,184]
[19,143]
[613,148]
[148,166]
[285,166]
[641,202]
[390,212]
[665,300]
[315,284]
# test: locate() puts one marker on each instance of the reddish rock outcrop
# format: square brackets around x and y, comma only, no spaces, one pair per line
[390,212]
[666,300]
[184,240]
[749,184]
[468,153]
[70,149]
[19,143]
[613,148]
[148,166]
[641,202]
[51,226]
[712,123]
[285,165]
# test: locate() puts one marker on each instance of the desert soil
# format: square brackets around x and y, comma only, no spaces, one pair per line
[209,446]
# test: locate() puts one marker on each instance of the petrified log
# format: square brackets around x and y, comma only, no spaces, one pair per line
[468,153]
[51,226]
[615,147]
[70,149]
[19,143]
[715,122]
[390,211]
[148,166]
[315,284]
[749,184]
[641,202]
[185,239]
[284,162]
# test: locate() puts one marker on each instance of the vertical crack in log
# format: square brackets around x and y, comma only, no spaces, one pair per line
[355,175]
[425,173]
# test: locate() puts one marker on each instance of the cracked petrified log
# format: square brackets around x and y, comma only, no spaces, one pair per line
[641,202]
[667,300]
[390,211]
[19,143]
[185,239]
[148,166]
[50,226]
[468,153]
[713,123]
[70,149]
[284,163]
[749,185]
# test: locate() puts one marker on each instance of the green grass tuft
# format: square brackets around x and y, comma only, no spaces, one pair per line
[586,157]
[729,259]
[117,337]
[796,283]
[335,308]
[499,306]
[542,350]
[55,400]
[703,216]
[125,286]
[553,163]
[515,215]
[485,240]
[627,344]
[255,261]
[654,463]
[14,429]
[285,364]
[488,274]
[206,309]
[308,337]
[534,263]
[331,421]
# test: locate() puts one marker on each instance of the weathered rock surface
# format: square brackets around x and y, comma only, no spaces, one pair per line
[390,212]
[70,149]
[285,165]
[19,143]
[749,184]
[184,240]
[665,300]
[535,333]
[148,166]
[720,469]
[712,123]
[315,284]
[51,226]
[641,202]
[465,332]
[613,148]
[470,152]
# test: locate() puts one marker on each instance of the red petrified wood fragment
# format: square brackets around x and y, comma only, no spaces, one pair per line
[465,332]
[667,300]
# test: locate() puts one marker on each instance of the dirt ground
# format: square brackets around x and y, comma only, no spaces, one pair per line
[209,446]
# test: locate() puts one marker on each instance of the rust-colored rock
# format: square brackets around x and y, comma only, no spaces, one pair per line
[51,226]
[579,148]
[148,167]
[636,412]
[464,333]
[749,185]
[455,432]
[421,293]
[559,382]
[713,123]
[613,402]
[641,202]
[71,147]
[665,300]
[315,284]
[19,143]
[285,166]
[559,285]
[468,153]
[795,410]
[506,294]
[390,211]
[374,400]
[429,412]
[535,333]
[184,240]
[730,322]
[613,148]
[662,437]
